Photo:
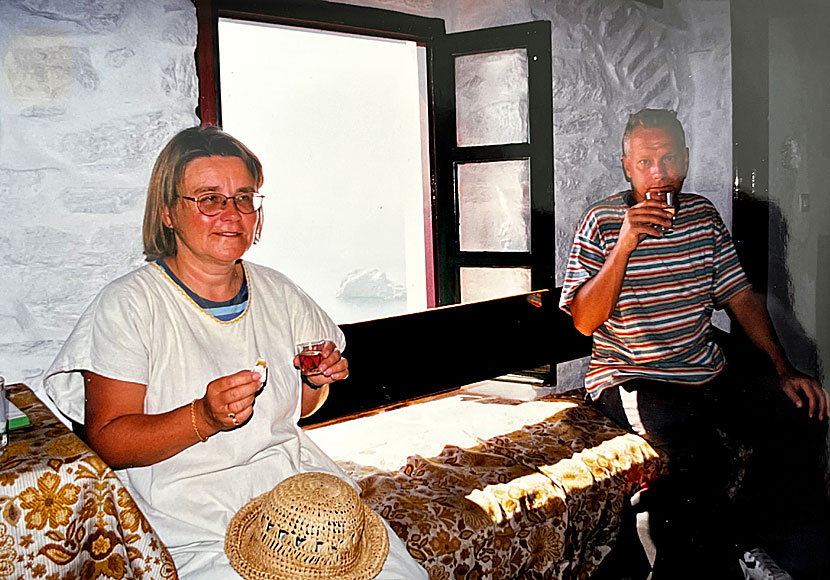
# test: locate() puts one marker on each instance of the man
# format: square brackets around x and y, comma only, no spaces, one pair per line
[643,278]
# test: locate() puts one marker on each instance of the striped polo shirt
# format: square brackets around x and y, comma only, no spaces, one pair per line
[661,326]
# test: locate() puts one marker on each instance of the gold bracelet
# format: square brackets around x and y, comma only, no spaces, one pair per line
[193,421]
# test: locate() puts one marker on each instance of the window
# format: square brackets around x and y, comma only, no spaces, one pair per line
[498,172]
[338,123]
[487,160]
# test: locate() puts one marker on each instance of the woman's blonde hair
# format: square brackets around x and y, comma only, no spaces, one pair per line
[167,179]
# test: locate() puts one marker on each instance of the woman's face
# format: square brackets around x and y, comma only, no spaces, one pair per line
[220,239]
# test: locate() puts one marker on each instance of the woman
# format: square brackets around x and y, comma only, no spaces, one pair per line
[157,368]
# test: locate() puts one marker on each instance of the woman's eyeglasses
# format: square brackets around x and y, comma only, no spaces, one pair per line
[212,204]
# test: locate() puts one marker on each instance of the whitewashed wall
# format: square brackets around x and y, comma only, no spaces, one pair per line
[89,92]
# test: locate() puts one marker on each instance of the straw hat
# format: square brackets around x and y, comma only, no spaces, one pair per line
[311,525]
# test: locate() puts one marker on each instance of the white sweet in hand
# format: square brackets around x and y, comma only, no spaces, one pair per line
[261,367]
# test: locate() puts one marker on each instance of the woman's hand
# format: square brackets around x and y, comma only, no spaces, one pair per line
[333,366]
[229,400]
[120,431]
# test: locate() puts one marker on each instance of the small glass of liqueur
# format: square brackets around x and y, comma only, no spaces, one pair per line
[311,354]
[669,199]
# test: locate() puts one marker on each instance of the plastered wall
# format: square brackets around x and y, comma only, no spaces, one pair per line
[89,93]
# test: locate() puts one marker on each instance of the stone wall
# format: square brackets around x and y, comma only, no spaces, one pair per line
[89,92]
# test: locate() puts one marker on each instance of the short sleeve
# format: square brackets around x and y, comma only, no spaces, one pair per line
[109,339]
[586,258]
[312,323]
[728,276]
[308,320]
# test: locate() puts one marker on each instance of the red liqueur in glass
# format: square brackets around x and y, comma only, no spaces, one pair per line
[310,355]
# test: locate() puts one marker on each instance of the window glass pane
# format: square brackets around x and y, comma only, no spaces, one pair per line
[494,206]
[338,123]
[488,283]
[491,98]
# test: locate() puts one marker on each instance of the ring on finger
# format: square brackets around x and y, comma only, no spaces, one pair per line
[232,417]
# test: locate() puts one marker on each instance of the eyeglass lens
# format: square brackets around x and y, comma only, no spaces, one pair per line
[213,204]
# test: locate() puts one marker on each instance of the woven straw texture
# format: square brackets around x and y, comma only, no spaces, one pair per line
[311,525]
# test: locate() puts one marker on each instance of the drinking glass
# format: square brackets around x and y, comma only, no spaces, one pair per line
[4,416]
[310,353]
[669,198]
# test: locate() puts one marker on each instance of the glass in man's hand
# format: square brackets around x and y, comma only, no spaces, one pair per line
[668,197]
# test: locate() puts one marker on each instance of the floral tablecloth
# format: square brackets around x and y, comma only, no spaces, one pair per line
[538,500]
[64,515]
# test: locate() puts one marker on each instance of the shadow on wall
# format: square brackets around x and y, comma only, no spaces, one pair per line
[801,348]
[769,274]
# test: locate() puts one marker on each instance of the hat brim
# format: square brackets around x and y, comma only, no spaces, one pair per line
[374,547]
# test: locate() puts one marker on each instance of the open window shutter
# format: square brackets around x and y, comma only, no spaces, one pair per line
[494,162]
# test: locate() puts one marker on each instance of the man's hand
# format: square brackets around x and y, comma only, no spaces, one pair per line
[640,221]
[793,383]
[753,316]
[596,299]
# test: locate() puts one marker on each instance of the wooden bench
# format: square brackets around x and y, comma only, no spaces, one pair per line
[491,482]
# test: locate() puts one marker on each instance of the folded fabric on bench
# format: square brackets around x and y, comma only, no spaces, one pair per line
[543,500]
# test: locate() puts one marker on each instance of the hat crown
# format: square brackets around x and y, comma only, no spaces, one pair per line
[314,520]
[311,526]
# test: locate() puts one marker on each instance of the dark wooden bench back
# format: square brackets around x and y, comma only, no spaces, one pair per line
[396,359]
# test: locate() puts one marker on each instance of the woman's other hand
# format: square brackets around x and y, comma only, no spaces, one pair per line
[229,400]
[333,366]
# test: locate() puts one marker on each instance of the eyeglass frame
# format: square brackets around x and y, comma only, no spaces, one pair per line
[254,195]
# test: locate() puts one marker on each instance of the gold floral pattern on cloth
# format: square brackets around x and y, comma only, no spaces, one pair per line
[64,514]
[542,502]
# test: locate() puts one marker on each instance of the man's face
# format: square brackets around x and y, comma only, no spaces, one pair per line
[655,162]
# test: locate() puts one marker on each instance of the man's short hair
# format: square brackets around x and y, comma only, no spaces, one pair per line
[654,119]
